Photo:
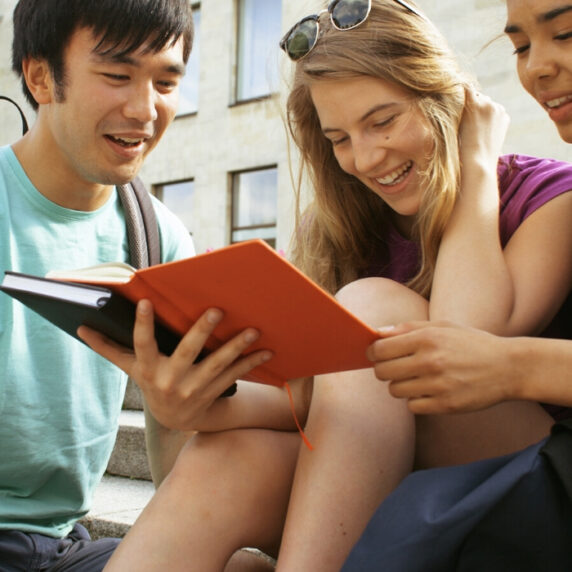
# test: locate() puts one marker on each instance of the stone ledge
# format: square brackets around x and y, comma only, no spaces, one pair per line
[129,456]
[117,504]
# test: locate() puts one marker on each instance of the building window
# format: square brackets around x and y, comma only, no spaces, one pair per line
[179,198]
[189,92]
[254,205]
[259,26]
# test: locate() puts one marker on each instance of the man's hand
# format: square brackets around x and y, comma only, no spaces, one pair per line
[179,392]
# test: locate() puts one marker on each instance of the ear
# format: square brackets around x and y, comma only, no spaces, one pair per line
[38,79]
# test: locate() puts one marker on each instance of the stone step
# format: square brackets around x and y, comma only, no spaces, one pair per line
[117,504]
[133,397]
[129,457]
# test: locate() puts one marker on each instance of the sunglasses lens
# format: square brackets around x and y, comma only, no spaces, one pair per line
[302,38]
[348,14]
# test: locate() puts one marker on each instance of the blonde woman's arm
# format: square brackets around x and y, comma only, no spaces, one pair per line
[512,292]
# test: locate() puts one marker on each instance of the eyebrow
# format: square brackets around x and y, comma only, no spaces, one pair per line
[366,115]
[178,69]
[541,18]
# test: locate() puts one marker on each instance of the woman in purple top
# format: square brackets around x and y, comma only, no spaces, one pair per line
[403,224]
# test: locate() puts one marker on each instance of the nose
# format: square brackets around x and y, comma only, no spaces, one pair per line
[540,62]
[141,103]
[367,155]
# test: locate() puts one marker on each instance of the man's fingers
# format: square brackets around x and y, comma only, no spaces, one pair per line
[193,342]
[228,363]
[117,354]
[144,332]
[248,363]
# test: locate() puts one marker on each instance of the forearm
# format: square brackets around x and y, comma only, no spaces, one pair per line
[163,446]
[472,283]
[259,406]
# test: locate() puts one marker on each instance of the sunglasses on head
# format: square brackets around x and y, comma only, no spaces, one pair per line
[344,15]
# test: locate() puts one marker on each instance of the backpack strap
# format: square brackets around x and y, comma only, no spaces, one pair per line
[23,117]
[142,227]
[149,220]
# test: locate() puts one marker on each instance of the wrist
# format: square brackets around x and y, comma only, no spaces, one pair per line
[519,362]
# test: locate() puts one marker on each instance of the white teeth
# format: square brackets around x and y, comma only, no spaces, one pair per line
[396,176]
[127,140]
[558,102]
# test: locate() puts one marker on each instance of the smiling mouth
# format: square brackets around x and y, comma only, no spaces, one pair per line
[395,177]
[126,142]
[558,102]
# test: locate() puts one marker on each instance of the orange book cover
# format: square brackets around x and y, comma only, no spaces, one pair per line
[308,331]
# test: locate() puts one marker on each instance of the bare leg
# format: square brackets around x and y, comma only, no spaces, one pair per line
[444,440]
[227,490]
[363,445]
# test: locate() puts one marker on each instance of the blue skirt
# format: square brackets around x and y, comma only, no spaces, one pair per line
[511,513]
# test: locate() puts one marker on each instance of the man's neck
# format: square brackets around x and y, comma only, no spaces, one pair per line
[53,180]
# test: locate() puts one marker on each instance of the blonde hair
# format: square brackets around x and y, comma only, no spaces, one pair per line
[345,222]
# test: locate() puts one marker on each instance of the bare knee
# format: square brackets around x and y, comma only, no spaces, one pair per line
[380,301]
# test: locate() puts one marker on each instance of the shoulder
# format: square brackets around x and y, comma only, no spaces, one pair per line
[535,178]
[9,165]
[527,183]
[517,171]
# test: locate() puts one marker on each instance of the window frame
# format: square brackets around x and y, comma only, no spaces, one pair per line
[234,180]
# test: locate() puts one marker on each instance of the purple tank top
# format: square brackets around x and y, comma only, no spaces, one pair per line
[525,184]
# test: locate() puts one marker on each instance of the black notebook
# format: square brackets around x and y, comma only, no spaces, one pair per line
[68,306]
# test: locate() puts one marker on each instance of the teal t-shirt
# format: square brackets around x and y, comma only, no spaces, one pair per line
[59,401]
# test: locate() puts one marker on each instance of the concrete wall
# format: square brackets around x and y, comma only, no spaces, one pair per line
[222,138]
[474,30]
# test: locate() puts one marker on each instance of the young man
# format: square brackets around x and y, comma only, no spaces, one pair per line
[104,78]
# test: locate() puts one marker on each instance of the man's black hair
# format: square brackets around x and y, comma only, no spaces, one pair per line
[43,28]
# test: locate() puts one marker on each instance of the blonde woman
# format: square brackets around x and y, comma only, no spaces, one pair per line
[403,156]
[357,123]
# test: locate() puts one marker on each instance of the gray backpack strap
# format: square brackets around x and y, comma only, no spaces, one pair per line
[141,221]
[149,220]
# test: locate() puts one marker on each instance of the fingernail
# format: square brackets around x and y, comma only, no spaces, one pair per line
[386,329]
[144,306]
[251,336]
[214,316]
[266,356]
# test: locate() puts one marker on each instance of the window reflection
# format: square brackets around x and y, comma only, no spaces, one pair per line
[179,198]
[189,92]
[259,28]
